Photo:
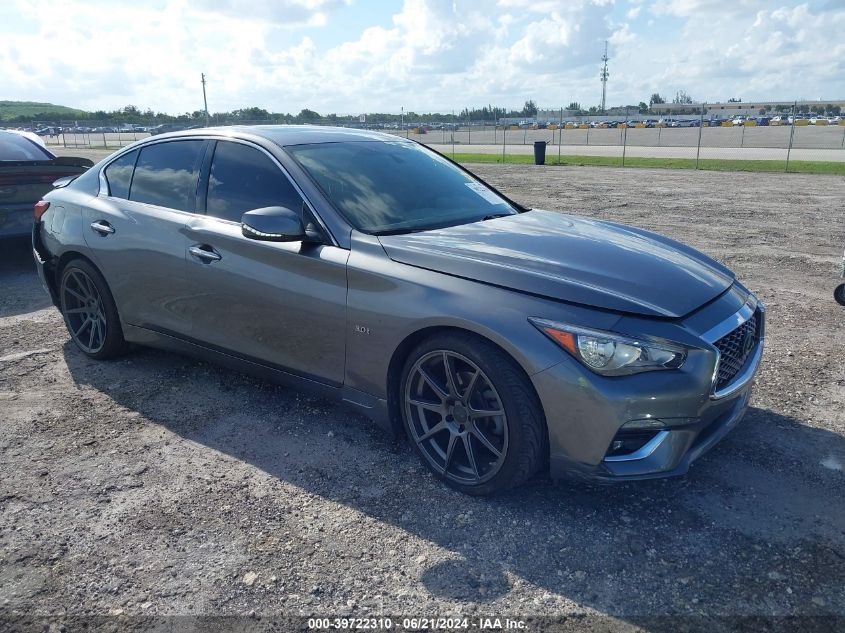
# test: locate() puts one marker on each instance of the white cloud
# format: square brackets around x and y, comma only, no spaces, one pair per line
[691,8]
[285,55]
[289,13]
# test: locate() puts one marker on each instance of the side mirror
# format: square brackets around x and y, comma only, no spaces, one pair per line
[275,224]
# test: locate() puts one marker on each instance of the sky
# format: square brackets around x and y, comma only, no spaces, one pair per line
[354,56]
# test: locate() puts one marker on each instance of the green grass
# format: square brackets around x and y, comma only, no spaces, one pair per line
[710,164]
[11,109]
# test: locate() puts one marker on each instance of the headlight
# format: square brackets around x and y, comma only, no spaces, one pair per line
[612,354]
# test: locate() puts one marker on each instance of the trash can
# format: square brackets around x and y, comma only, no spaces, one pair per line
[540,152]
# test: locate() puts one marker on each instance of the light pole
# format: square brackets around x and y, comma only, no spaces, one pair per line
[204,100]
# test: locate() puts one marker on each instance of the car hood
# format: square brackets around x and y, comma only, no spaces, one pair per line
[578,260]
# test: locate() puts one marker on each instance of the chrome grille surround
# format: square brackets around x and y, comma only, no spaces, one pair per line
[734,350]
[738,341]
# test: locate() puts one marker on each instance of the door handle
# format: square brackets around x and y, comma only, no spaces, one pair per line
[102,227]
[205,253]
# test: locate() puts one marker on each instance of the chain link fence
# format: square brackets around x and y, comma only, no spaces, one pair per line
[632,139]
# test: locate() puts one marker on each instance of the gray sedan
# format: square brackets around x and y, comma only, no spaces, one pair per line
[503,340]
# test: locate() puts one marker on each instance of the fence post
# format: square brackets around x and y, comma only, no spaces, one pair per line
[843,137]
[700,127]
[625,137]
[560,136]
[504,142]
[791,134]
[742,139]
[454,129]
[469,129]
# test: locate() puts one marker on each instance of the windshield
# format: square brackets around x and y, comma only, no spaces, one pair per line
[396,187]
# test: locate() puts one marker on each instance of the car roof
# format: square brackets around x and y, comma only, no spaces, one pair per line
[284,135]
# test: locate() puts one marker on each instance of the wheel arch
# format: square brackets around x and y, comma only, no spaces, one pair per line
[404,349]
[66,257]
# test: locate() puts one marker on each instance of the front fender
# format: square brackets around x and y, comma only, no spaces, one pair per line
[388,302]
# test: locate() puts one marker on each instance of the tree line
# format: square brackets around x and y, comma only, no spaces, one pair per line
[131,114]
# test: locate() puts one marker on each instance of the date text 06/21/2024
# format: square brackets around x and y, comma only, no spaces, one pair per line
[416,624]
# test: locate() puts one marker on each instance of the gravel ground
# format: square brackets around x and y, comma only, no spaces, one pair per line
[156,484]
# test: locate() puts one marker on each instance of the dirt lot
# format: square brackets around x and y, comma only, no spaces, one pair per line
[161,485]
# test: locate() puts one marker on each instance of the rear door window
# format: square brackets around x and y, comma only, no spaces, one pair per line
[166,174]
[243,178]
[119,175]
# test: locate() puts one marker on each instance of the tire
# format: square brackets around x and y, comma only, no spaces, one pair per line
[89,311]
[839,294]
[482,433]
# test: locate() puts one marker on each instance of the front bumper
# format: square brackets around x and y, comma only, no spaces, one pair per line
[585,413]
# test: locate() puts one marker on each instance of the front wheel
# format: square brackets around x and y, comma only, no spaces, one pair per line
[839,294]
[89,311]
[472,414]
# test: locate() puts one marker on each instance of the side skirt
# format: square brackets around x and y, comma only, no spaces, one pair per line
[371,406]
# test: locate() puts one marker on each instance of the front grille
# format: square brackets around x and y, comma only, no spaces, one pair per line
[735,348]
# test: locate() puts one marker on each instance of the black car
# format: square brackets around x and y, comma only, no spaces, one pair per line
[27,171]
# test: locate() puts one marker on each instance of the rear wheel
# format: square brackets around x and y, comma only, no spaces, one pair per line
[839,294]
[472,414]
[89,311]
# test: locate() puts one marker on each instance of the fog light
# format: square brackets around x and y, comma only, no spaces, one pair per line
[643,425]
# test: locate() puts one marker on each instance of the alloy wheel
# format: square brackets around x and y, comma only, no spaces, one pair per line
[82,306]
[456,417]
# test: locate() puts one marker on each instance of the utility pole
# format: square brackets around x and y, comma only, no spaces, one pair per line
[604,75]
[204,100]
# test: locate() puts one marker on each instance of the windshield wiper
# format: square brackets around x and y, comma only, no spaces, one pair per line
[434,227]
[400,231]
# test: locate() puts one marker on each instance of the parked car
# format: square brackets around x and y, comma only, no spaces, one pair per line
[371,269]
[27,171]
[739,120]
[166,127]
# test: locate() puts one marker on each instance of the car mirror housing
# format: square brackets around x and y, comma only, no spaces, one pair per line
[274,224]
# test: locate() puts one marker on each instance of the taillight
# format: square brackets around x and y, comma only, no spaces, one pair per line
[40,208]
